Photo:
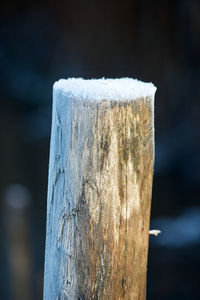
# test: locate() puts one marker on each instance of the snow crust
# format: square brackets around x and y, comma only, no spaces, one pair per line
[105,89]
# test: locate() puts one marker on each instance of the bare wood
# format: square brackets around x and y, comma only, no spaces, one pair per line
[99,198]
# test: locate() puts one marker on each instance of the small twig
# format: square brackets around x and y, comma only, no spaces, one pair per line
[154,232]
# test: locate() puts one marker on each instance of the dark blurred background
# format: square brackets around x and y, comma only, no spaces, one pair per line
[156,41]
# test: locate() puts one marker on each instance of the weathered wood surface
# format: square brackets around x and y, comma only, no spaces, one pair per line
[99,198]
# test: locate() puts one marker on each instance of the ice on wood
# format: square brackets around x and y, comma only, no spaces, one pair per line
[109,89]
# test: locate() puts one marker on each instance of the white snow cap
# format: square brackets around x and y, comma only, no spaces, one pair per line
[105,89]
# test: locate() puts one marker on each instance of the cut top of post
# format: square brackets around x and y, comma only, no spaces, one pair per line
[122,89]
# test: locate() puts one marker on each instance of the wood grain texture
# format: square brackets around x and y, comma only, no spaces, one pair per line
[99,198]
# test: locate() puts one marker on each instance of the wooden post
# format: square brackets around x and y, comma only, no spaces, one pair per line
[99,193]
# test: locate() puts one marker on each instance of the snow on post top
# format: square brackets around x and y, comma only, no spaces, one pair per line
[105,89]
